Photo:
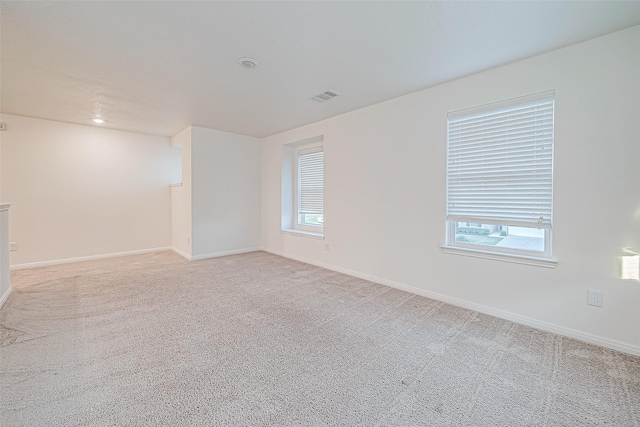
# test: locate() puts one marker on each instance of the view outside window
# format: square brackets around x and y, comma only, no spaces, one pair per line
[525,238]
[313,219]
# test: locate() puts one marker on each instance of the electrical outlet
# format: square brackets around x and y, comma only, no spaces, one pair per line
[13,246]
[326,246]
[594,298]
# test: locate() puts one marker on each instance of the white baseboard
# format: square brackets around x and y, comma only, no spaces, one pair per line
[87,258]
[4,297]
[225,253]
[516,318]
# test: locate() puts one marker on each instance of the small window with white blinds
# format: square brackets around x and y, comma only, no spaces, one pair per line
[310,188]
[500,176]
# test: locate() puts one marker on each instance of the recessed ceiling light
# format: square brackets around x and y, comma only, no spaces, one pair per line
[247,62]
[97,120]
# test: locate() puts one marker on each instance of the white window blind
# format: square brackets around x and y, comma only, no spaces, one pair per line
[310,181]
[500,163]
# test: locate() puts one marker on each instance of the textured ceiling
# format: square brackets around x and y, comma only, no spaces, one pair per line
[158,67]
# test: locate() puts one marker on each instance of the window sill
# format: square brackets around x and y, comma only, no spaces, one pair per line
[518,259]
[300,233]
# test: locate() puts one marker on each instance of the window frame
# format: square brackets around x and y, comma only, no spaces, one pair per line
[544,257]
[451,242]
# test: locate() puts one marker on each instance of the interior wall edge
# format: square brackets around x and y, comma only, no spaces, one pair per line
[224,253]
[5,297]
[181,253]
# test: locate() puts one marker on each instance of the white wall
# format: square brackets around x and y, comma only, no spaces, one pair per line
[225,171]
[181,197]
[385,193]
[79,191]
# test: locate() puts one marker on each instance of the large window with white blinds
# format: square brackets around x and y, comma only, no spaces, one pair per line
[309,203]
[500,176]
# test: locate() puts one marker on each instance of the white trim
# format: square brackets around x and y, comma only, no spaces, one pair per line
[225,253]
[302,233]
[181,253]
[87,258]
[5,297]
[516,318]
[497,256]
[5,206]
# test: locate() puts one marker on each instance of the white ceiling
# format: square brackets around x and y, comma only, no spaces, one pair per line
[158,67]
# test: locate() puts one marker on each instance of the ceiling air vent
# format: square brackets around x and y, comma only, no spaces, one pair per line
[325,96]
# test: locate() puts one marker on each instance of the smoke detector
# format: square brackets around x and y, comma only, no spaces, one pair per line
[325,96]
[248,62]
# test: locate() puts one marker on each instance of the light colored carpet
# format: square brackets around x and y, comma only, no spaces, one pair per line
[260,340]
